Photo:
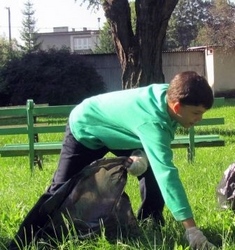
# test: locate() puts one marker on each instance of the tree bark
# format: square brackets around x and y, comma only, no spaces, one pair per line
[139,51]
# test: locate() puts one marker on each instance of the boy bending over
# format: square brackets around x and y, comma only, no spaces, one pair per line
[122,121]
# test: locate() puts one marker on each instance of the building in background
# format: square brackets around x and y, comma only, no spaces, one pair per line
[210,61]
[82,42]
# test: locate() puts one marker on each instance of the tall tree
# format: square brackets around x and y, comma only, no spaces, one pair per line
[139,51]
[28,33]
[106,44]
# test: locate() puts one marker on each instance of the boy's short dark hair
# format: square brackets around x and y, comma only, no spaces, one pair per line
[189,88]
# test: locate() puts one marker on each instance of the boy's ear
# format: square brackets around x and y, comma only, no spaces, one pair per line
[176,107]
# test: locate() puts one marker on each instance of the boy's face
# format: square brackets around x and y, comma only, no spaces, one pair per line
[188,115]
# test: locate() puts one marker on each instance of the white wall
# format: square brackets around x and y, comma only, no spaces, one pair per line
[224,69]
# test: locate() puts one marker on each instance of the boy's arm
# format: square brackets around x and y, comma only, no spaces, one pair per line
[156,143]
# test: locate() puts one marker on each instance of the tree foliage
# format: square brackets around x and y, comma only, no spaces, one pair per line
[187,19]
[28,32]
[54,77]
[4,51]
[8,51]
[198,22]
[106,44]
[219,30]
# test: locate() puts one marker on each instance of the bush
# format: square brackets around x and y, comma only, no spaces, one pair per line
[54,77]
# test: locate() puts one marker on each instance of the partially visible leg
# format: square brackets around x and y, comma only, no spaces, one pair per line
[73,158]
[152,200]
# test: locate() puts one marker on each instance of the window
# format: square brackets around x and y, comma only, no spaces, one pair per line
[81,43]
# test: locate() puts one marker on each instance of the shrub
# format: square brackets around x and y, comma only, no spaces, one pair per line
[54,77]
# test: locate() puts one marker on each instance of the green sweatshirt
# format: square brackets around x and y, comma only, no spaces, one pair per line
[131,119]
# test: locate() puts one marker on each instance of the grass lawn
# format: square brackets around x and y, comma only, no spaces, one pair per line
[19,191]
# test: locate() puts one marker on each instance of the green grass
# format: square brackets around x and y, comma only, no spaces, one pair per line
[19,191]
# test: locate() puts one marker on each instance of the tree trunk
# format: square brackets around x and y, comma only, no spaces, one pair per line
[139,52]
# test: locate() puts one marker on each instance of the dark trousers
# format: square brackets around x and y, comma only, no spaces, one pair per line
[73,158]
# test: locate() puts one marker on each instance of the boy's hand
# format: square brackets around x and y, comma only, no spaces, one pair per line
[197,239]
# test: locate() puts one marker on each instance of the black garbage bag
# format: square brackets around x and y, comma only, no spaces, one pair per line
[92,201]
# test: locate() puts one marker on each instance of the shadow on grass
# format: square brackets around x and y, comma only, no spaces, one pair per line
[213,236]
[219,131]
[4,242]
[220,238]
